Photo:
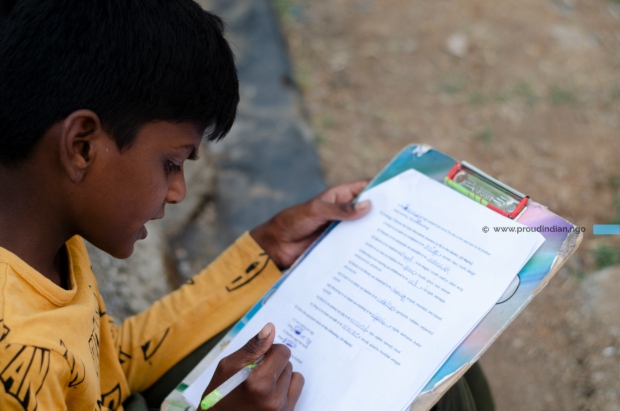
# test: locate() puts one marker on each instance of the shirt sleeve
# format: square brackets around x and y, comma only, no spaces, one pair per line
[32,378]
[174,326]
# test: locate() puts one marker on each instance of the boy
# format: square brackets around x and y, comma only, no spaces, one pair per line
[101,102]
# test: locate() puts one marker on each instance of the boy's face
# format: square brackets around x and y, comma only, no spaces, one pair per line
[124,190]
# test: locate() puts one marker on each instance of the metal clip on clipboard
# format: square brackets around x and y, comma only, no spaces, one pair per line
[491,193]
[486,190]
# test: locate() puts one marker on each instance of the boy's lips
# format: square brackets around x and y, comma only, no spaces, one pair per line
[159,216]
[142,233]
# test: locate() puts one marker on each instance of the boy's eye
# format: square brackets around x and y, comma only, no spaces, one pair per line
[170,167]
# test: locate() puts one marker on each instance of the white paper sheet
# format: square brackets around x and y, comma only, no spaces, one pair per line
[380,303]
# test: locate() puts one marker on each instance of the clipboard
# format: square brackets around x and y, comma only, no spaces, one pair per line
[561,239]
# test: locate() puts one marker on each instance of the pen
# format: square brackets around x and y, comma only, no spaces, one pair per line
[227,386]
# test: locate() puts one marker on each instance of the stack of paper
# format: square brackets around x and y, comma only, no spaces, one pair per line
[380,303]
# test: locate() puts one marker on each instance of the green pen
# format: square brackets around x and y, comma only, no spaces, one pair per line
[227,386]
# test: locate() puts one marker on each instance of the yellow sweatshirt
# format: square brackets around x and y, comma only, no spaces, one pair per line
[59,350]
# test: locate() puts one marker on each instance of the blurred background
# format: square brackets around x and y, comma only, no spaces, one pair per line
[528,91]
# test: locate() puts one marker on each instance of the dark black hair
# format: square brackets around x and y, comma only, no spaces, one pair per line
[130,61]
[5,7]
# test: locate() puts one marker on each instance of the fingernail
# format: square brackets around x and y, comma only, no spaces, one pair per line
[363,205]
[265,332]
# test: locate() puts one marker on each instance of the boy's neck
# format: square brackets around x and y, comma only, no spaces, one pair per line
[29,223]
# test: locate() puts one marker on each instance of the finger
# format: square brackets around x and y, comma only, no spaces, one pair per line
[284,382]
[271,367]
[344,193]
[294,391]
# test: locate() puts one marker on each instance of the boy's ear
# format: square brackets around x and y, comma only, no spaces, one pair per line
[79,133]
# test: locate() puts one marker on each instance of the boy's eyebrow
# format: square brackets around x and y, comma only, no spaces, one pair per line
[193,153]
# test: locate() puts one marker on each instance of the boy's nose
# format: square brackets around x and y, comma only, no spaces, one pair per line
[176,190]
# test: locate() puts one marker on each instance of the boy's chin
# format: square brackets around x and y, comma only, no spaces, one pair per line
[119,250]
[122,254]
[120,247]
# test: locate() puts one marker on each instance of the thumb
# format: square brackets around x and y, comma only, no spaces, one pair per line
[250,352]
[342,211]
[256,347]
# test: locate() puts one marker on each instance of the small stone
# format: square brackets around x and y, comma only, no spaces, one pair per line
[533,50]
[566,7]
[571,37]
[597,377]
[609,351]
[339,61]
[614,9]
[410,46]
[497,166]
[370,50]
[458,44]
[365,6]
[180,253]
[185,268]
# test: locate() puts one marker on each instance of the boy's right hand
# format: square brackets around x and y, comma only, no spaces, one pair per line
[272,386]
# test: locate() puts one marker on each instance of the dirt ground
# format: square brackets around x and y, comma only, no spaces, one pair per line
[528,91]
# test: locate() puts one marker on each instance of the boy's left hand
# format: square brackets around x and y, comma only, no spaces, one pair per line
[287,235]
